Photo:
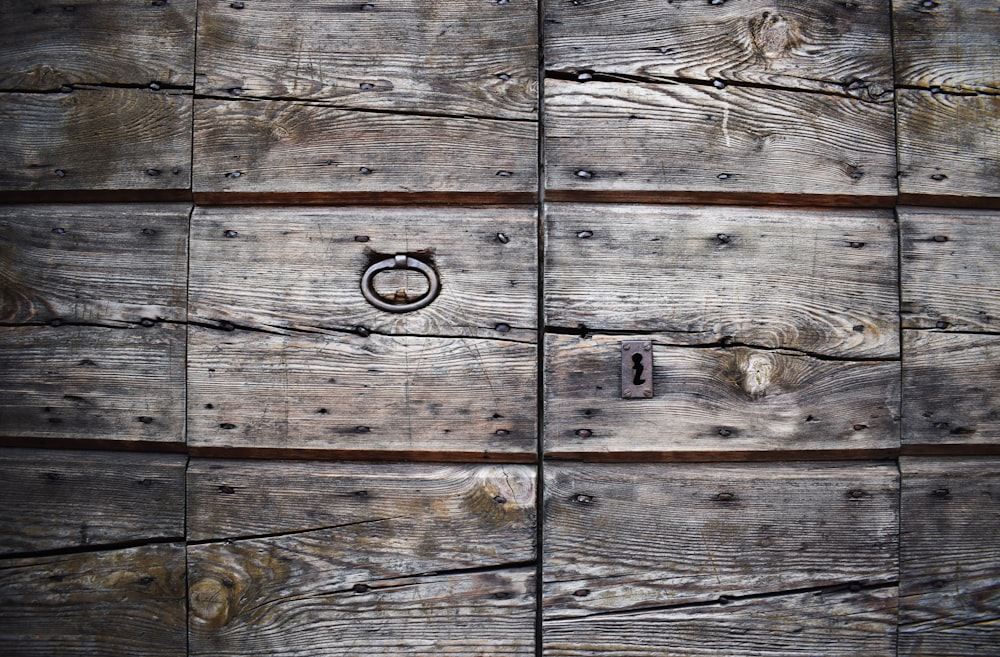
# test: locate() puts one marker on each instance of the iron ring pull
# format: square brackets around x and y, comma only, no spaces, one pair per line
[400,261]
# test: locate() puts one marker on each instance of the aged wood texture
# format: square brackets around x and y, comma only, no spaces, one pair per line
[350,559]
[745,559]
[817,46]
[950,557]
[69,499]
[949,45]
[838,623]
[949,147]
[114,265]
[49,43]
[950,392]
[120,602]
[726,403]
[95,138]
[313,98]
[820,282]
[950,269]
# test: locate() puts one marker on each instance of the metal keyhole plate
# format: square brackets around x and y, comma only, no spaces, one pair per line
[637,369]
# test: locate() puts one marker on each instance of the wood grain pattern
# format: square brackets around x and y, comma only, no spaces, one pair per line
[823,282]
[244,146]
[950,388]
[49,43]
[100,264]
[949,146]
[950,269]
[376,396]
[121,602]
[301,268]
[70,499]
[605,136]
[95,138]
[719,403]
[826,46]
[627,537]
[415,559]
[950,45]
[950,557]
[91,383]
[451,57]
[827,624]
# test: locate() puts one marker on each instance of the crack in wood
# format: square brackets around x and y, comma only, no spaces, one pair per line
[296,532]
[88,549]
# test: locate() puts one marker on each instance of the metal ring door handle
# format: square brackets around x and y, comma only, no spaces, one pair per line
[400,261]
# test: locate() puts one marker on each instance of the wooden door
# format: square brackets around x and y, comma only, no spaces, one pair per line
[226,433]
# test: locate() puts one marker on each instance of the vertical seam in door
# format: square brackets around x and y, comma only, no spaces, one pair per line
[540,335]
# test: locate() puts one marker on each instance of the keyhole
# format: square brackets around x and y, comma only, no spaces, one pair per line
[638,368]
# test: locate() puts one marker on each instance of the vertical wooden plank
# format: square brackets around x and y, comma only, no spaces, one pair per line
[950,557]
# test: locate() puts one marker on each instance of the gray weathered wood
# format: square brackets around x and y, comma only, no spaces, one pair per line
[948,147]
[824,624]
[833,47]
[450,57]
[950,392]
[680,138]
[950,557]
[949,45]
[93,384]
[50,43]
[69,499]
[126,602]
[349,559]
[270,146]
[301,268]
[98,264]
[95,138]
[626,537]
[823,282]
[950,269]
[721,403]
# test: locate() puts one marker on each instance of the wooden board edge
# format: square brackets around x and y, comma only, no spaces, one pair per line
[721,198]
[762,456]
[95,444]
[949,449]
[365,198]
[360,455]
[97,196]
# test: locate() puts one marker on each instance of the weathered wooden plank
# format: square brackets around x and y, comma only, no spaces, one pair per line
[950,392]
[121,602]
[823,282]
[451,57]
[949,147]
[96,138]
[627,537]
[50,43]
[93,384]
[827,624]
[950,269]
[104,264]
[949,45]
[719,403]
[350,559]
[616,137]
[70,499]
[244,146]
[301,268]
[833,47]
[950,557]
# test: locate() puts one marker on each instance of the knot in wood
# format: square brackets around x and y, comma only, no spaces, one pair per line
[758,373]
[772,35]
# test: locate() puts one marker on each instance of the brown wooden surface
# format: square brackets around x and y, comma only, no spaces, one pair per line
[109,264]
[949,147]
[49,43]
[950,557]
[821,282]
[104,138]
[727,403]
[68,499]
[627,537]
[950,388]
[127,602]
[949,45]
[950,269]
[350,559]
